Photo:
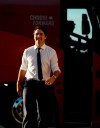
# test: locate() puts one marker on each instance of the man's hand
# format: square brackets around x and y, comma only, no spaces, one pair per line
[19,90]
[50,81]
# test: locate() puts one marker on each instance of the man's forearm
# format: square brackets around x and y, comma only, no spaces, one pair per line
[21,76]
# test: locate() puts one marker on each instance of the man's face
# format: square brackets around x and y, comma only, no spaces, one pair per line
[39,37]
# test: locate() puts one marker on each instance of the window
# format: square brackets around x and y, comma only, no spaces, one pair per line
[76,16]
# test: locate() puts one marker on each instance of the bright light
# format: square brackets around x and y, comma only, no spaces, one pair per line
[5,84]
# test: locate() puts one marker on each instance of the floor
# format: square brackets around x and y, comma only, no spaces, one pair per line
[77,125]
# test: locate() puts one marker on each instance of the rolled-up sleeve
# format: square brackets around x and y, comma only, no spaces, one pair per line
[54,62]
[24,63]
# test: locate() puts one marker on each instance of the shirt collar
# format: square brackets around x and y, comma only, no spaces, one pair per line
[43,47]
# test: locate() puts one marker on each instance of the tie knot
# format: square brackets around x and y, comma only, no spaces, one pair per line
[39,49]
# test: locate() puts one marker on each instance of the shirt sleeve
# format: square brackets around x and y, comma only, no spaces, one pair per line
[24,63]
[54,62]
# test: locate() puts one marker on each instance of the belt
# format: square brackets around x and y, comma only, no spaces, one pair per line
[36,81]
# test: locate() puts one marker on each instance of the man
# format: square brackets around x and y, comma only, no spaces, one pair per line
[38,94]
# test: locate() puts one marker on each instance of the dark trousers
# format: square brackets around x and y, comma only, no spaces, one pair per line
[40,109]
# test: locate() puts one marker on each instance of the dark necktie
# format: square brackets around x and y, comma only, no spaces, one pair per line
[39,65]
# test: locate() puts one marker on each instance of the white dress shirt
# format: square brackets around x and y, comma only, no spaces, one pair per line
[49,61]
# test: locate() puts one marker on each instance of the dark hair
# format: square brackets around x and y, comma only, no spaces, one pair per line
[42,28]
